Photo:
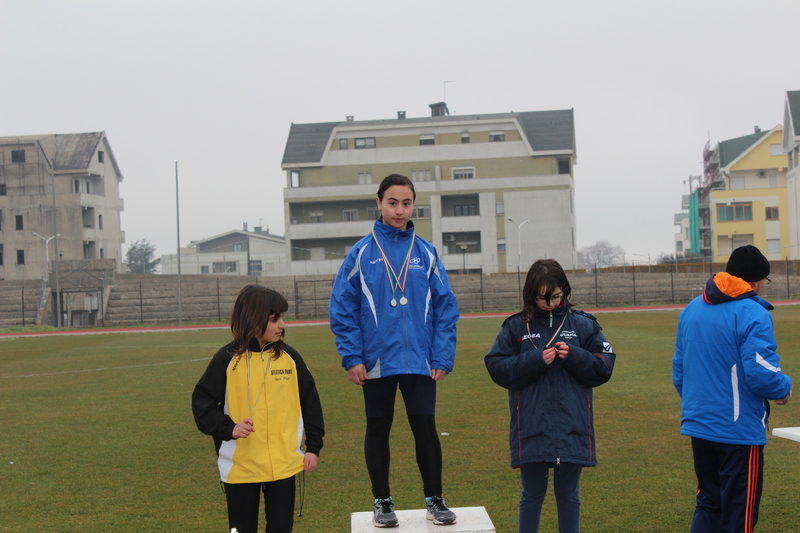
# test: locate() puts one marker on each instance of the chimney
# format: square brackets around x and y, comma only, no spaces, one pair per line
[349,118]
[401,114]
[244,226]
[757,129]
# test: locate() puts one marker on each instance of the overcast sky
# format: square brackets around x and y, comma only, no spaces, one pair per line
[215,86]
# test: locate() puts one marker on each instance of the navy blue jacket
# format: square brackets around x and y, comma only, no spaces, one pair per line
[551,405]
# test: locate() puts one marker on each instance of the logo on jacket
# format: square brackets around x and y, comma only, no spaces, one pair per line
[607,348]
[378,260]
[415,263]
[568,335]
[529,336]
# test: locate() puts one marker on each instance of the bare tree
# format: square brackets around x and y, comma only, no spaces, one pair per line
[600,254]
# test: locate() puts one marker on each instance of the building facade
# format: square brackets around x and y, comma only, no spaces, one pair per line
[791,148]
[236,253]
[59,198]
[494,192]
[741,198]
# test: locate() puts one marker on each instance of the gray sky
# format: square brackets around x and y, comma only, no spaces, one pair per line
[215,86]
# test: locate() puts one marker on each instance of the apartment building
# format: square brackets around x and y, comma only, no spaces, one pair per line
[59,198]
[494,192]
[741,198]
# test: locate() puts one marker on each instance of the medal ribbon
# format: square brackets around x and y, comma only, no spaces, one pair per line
[551,338]
[263,382]
[390,269]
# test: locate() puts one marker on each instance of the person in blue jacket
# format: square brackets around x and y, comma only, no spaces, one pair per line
[550,356]
[394,318]
[725,369]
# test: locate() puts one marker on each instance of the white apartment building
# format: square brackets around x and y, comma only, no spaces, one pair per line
[495,192]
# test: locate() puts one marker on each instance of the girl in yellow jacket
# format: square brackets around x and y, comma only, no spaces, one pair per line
[258,399]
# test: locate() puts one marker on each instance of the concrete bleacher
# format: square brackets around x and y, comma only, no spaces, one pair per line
[19,302]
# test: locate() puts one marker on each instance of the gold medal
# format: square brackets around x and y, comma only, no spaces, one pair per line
[403,300]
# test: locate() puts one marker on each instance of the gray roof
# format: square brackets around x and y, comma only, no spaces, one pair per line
[544,130]
[793,100]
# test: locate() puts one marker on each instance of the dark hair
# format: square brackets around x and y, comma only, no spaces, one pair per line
[544,278]
[251,314]
[395,179]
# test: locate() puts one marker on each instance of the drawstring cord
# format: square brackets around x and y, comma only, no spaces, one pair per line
[302,490]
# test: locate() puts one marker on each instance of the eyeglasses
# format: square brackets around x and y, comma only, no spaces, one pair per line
[553,298]
[768,280]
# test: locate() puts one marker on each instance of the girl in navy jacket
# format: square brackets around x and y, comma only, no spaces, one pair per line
[550,357]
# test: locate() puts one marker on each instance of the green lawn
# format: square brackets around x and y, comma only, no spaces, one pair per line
[97,435]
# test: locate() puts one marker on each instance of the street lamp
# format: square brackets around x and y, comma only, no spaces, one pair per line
[648,261]
[47,250]
[519,256]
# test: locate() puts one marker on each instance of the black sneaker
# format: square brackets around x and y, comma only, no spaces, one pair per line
[439,512]
[384,513]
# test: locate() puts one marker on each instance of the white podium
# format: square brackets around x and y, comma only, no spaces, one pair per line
[787,433]
[468,520]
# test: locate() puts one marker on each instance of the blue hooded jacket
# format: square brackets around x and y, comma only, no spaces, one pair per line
[402,339]
[726,366]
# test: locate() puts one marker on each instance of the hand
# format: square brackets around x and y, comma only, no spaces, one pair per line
[243,429]
[563,349]
[357,374]
[784,401]
[549,354]
[437,374]
[310,462]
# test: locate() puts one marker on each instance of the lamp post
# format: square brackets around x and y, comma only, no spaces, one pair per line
[46,251]
[519,256]
[648,261]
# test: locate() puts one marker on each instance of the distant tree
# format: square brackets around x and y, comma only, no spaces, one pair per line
[601,254]
[140,258]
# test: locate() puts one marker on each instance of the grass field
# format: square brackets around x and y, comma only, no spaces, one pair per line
[97,435]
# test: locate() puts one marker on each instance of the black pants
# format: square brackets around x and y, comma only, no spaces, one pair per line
[729,482]
[244,499]
[419,396]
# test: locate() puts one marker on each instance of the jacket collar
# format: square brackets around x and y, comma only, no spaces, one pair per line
[385,230]
[723,287]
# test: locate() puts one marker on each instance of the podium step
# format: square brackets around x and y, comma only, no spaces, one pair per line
[469,520]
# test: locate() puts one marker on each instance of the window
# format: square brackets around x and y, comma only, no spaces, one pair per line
[20,257]
[100,221]
[497,136]
[205,269]
[465,137]
[350,215]
[88,187]
[463,173]
[735,212]
[563,166]
[772,213]
[315,217]
[2,189]
[101,157]
[501,247]
[365,142]
[237,247]
[737,183]
[499,208]
[421,175]
[426,139]
[776,149]
[773,246]
[256,267]
[221,267]
[19,223]
[18,156]
[342,144]
[465,210]
[1,220]
[295,178]
[421,211]
[373,213]
[77,186]
[1,255]
[102,253]
[364,178]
